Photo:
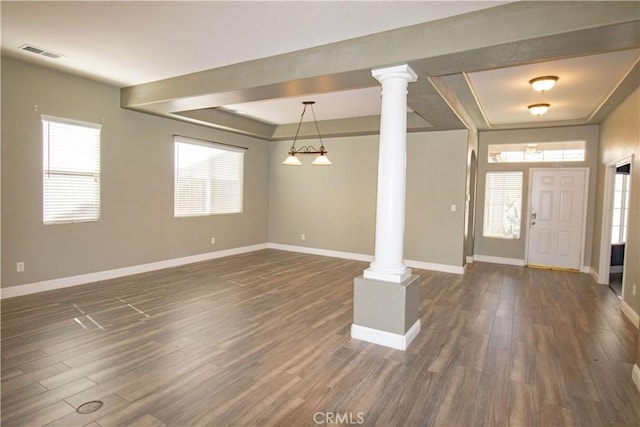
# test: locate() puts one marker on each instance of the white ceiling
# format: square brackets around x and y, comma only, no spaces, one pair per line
[129,43]
[329,106]
[584,84]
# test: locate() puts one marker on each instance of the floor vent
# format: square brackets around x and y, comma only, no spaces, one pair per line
[89,407]
[40,51]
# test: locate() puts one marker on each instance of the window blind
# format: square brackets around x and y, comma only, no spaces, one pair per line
[208,178]
[502,205]
[71,170]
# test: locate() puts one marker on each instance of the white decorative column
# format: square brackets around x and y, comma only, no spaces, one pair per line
[386,296]
[388,264]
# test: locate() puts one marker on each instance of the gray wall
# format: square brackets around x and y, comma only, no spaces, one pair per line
[620,137]
[136,224]
[516,248]
[335,206]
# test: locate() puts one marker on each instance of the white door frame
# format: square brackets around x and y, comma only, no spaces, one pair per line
[584,212]
[607,218]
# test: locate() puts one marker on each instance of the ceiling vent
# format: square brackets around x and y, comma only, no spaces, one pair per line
[40,51]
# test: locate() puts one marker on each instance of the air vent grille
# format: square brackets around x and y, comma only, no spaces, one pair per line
[40,51]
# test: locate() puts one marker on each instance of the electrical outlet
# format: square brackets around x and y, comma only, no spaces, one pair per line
[303,237]
[634,289]
[213,240]
[20,267]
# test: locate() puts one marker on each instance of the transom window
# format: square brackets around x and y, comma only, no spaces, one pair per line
[565,151]
[71,170]
[208,178]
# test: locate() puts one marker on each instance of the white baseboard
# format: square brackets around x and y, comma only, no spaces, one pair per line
[323,252]
[630,313]
[65,282]
[596,276]
[384,338]
[445,268]
[499,260]
[470,260]
[635,375]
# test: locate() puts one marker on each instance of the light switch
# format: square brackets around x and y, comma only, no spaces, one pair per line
[453,208]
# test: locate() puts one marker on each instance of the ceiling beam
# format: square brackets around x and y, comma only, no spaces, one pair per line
[515,33]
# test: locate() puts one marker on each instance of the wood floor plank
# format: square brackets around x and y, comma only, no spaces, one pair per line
[264,339]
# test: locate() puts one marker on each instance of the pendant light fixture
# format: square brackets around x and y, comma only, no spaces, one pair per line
[321,159]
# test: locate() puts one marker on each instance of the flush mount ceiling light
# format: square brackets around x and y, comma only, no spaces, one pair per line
[321,159]
[544,83]
[538,109]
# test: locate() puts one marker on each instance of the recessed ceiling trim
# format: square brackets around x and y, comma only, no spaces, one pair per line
[614,88]
[477,100]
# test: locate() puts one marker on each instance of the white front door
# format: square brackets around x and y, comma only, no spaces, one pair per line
[556,217]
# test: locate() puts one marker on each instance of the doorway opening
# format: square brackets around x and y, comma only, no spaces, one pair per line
[619,219]
[614,224]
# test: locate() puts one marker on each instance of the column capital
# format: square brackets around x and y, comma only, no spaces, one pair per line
[398,71]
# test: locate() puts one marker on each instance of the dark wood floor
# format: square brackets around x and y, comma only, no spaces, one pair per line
[263,339]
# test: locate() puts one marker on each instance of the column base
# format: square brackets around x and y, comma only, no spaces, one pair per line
[369,273]
[387,339]
[386,313]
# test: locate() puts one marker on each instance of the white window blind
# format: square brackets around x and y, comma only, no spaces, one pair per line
[502,205]
[71,170]
[208,178]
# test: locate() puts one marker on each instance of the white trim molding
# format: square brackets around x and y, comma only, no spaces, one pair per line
[65,282]
[322,252]
[635,375]
[384,338]
[445,268]
[630,314]
[499,260]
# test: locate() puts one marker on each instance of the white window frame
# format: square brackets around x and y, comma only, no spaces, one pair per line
[203,193]
[71,170]
[496,204]
[620,237]
[537,152]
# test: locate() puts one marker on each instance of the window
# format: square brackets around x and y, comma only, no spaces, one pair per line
[566,151]
[71,170]
[620,209]
[208,178]
[502,205]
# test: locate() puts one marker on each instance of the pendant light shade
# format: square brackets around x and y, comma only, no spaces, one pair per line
[292,161]
[321,160]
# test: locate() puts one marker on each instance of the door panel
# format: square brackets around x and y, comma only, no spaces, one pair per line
[556,218]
